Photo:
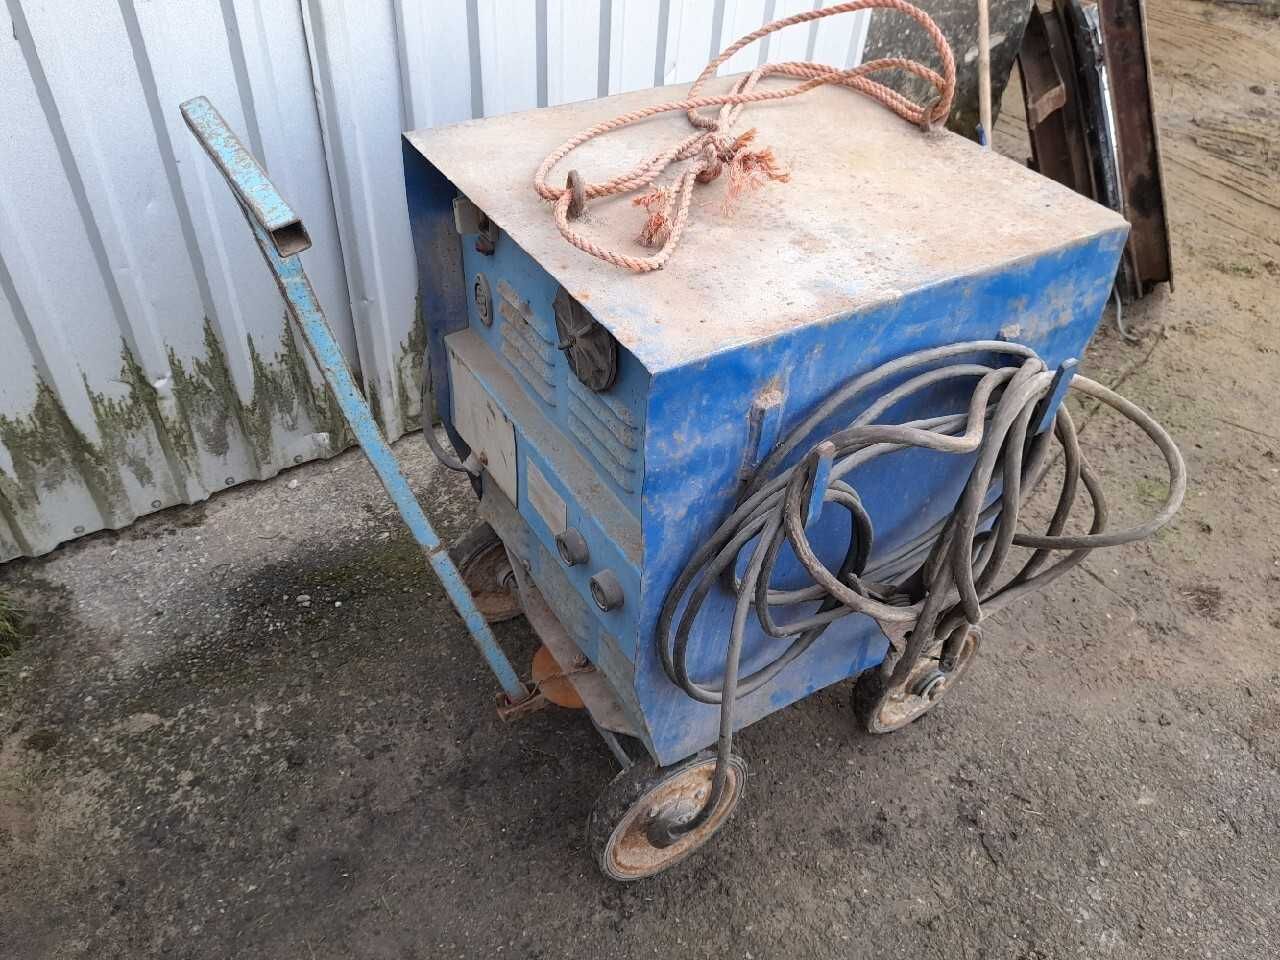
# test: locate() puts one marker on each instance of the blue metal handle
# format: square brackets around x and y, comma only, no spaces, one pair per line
[256,193]
[281,237]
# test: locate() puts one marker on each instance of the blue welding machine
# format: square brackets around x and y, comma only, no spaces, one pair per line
[795,455]
[645,445]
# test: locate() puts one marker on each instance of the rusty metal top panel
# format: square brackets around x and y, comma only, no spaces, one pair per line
[874,209]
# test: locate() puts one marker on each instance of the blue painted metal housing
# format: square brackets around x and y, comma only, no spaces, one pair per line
[755,322]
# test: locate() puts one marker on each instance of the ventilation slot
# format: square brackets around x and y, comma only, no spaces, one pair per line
[526,346]
[607,429]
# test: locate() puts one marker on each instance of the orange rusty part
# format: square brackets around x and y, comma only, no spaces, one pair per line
[919,692]
[631,854]
[549,677]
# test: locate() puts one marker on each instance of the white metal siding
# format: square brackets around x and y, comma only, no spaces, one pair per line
[145,358]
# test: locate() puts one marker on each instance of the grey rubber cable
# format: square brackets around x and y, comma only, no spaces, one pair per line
[951,575]
[447,459]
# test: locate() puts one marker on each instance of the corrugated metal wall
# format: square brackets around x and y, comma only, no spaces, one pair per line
[144,355]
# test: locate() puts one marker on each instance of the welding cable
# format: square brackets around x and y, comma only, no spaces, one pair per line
[448,459]
[940,582]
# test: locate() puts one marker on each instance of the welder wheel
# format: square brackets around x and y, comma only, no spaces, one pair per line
[617,830]
[883,709]
[482,561]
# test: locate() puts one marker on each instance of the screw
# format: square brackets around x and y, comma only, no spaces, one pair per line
[230,481]
[155,504]
[297,458]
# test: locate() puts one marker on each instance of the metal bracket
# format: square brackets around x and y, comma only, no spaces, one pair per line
[281,237]
[1057,393]
[764,423]
[509,709]
[825,455]
[469,219]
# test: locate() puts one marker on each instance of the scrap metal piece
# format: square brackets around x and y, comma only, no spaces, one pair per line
[1048,411]
[257,196]
[1086,84]
[1148,255]
[1095,93]
[1055,124]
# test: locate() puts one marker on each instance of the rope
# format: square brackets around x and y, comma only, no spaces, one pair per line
[712,150]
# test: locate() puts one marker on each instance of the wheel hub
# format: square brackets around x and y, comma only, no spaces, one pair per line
[489,578]
[632,853]
[924,686]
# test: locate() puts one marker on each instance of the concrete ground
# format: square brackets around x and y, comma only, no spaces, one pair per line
[255,729]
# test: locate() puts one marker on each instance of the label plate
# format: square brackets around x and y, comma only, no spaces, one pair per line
[543,498]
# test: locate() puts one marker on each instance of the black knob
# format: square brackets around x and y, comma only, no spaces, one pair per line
[606,590]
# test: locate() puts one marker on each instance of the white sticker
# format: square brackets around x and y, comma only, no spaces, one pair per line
[549,504]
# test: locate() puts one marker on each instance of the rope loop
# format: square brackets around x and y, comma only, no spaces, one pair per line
[711,149]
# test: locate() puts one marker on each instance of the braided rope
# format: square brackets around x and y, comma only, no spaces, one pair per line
[711,149]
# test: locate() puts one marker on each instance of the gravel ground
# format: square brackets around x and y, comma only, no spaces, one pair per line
[255,728]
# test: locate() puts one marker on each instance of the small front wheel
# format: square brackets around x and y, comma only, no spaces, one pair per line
[884,709]
[482,561]
[618,828]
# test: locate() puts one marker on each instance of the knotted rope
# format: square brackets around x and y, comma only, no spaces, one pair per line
[711,149]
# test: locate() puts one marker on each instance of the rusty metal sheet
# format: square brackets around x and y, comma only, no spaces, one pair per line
[1055,125]
[1086,83]
[1148,257]
[866,217]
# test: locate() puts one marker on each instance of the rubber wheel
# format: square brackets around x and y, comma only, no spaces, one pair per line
[482,560]
[883,710]
[616,829]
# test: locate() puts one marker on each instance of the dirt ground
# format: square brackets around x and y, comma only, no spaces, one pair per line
[255,729]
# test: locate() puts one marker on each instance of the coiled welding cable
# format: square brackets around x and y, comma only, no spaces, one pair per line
[943,580]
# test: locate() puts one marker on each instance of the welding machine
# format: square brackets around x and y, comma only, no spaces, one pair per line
[789,448]
[614,420]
